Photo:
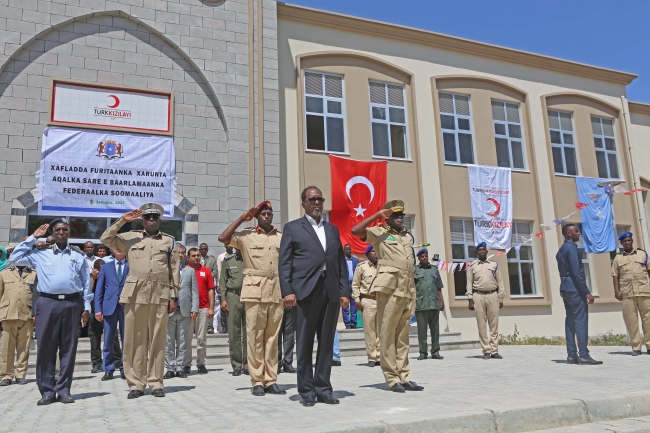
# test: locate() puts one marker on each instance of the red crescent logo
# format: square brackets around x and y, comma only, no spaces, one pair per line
[497,207]
[116,101]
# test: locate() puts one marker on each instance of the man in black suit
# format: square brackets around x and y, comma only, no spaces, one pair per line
[313,276]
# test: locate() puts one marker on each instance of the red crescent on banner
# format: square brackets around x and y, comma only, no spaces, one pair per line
[116,101]
[497,205]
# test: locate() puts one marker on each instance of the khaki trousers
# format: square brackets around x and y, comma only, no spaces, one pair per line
[370,328]
[263,320]
[632,307]
[16,335]
[200,328]
[145,334]
[486,308]
[394,314]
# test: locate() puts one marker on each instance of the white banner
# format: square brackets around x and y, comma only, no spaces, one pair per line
[490,191]
[102,173]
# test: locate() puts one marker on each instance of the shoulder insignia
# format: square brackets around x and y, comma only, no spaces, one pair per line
[76,248]
[165,234]
[641,249]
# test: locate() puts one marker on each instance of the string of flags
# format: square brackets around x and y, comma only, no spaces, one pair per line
[451,267]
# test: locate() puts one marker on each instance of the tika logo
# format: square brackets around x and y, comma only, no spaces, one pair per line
[109,150]
[112,102]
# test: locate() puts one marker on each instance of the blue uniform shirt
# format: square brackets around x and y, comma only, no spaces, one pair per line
[60,272]
[572,271]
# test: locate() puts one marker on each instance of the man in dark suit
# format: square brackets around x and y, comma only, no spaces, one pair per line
[350,312]
[313,276]
[107,308]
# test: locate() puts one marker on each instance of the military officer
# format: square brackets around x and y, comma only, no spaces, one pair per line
[630,274]
[395,290]
[260,294]
[150,293]
[428,303]
[364,275]
[16,283]
[231,282]
[64,296]
[485,292]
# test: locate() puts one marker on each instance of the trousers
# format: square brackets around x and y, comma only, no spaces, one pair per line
[634,306]
[429,319]
[486,308]
[236,316]
[198,327]
[287,337]
[370,328]
[95,331]
[394,315]
[576,324]
[178,340]
[263,321]
[111,350]
[16,335]
[350,314]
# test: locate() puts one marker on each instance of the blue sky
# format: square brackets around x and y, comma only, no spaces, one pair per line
[611,34]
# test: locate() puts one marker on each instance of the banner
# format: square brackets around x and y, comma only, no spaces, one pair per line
[358,191]
[93,173]
[597,225]
[490,190]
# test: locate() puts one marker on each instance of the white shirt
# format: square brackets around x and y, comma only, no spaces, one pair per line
[220,258]
[123,264]
[319,228]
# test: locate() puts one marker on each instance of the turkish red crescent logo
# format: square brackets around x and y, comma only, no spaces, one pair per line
[497,207]
[116,101]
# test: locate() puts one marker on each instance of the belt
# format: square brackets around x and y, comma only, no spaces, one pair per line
[256,273]
[234,291]
[368,297]
[60,297]
[480,292]
[395,264]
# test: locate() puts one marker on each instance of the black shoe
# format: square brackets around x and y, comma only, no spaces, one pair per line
[96,369]
[486,356]
[437,356]
[202,369]
[398,387]
[279,368]
[348,327]
[45,400]
[65,399]
[648,351]
[571,360]
[421,357]
[134,393]
[371,363]
[328,399]
[496,356]
[636,352]
[289,369]
[123,376]
[336,363]
[210,331]
[377,364]
[170,374]
[236,372]
[412,386]
[181,374]
[245,371]
[588,361]
[187,369]
[258,391]
[107,376]
[158,392]
[308,401]
[21,381]
[5,382]
[274,389]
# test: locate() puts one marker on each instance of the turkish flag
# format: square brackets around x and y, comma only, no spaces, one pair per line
[358,191]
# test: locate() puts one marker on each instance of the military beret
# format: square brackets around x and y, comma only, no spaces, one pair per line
[62,220]
[482,244]
[625,235]
[422,251]
[395,205]
[150,208]
[264,205]
[369,248]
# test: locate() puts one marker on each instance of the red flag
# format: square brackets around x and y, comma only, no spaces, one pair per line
[539,235]
[580,205]
[358,191]
[634,190]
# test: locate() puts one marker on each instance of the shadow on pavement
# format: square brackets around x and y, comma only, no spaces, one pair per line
[475,357]
[172,389]
[383,386]
[87,395]
[559,361]
[343,394]
[81,377]
[620,353]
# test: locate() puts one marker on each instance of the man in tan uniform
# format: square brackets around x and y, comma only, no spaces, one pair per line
[364,275]
[260,294]
[150,293]
[485,292]
[16,318]
[394,287]
[630,272]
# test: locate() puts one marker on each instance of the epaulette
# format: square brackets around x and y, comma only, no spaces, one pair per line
[165,234]
[76,248]
[641,249]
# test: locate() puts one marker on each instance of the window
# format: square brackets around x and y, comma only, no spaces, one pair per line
[605,143]
[388,120]
[324,112]
[456,128]
[508,135]
[520,264]
[619,231]
[409,224]
[585,260]
[562,143]
[463,250]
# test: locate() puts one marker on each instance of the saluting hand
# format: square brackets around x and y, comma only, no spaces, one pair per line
[129,217]
[384,213]
[249,214]
[41,231]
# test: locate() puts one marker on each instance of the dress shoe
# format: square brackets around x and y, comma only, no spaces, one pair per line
[107,376]
[636,352]
[336,363]
[258,391]
[437,356]
[496,356]
[377,364]
[187,369]
[588,361]
[571,360]
[288,368]
[45,400]
[134,393]
[158,392]
[22,381]
[245,371]
[169,374]
[327,399]
[202,369]
[96,369]
[421,357]
[5,382]
[412,386]
[181,374]
[123,376]
[236,372]
[279,368]
[274,389]
[398,387]
[210,331]
[486,356]
[308,401]
[648,351]
[371,363]
[65,398]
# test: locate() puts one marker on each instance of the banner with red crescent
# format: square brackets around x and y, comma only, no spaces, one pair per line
[491,198]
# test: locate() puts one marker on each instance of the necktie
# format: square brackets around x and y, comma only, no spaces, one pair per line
[119,271]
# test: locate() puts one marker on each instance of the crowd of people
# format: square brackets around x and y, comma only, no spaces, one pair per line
[148,297]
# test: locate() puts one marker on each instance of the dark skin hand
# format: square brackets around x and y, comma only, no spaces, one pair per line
[395,222]
[574,234]
[481,253]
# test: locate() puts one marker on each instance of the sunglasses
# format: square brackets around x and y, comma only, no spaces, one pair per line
[316,199]
[151,216]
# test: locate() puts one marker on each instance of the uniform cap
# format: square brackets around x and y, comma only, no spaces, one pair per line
[368,249]
[625,235]
[422,251]
[482,244]
[149,208]
[395,205]
[62,220]
[264,205]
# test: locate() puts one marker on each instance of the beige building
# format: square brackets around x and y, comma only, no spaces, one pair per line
[429,104]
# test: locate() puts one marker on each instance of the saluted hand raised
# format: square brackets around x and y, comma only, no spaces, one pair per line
[41,231]
[129,217]
[249,214]
[384,213]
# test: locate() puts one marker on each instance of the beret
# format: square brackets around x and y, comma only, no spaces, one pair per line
[625,235]
[422,251]
[368,249]
[482,244]
[62,220]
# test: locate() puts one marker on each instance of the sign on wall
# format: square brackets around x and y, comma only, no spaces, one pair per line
[105,173]
[490,191]
[100,106]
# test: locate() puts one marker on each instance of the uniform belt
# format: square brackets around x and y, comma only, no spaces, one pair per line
[256,273]
[481,292]
[148,277]
[60,297]
[234,291]
[395,264]
[368,297]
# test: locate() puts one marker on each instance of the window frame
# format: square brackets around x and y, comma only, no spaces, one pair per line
[507,136]
[563,145]
[604,149]
[468,247]
[387,121]
[518,260]
[456,130]
[325,114]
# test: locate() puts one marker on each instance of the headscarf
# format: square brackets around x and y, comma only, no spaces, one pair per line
[3,259]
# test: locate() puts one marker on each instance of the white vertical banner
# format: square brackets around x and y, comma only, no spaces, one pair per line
[490,190]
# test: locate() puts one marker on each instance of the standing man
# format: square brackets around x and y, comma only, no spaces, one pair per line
[220,258]
[630,274]
[231,282]
[149,295]
[428,303]
[364,275]
[89,254]
[211,263]
[395,290]
[65,296]
[16,285]
[350,312]
[313,276]
[260,293]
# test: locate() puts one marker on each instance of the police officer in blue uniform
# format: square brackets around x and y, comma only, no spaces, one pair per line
[576,295]
[64,297]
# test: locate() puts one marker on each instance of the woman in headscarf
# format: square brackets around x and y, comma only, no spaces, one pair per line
[3,258]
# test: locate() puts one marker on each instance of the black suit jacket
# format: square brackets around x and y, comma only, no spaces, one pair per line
[302,258]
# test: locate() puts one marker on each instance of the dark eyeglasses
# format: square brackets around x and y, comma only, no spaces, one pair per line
[61,229]
[315,199]
[151,216]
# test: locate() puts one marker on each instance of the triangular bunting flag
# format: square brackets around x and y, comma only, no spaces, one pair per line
[539,235]
[508,250]
[517,248]
[608,190]
[634,190]
[619,189]
[580,205]
[498,254]
[558,222]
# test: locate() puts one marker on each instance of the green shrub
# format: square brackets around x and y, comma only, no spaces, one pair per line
[515,339]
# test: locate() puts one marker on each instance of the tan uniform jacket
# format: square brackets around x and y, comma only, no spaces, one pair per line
[260,252]
[485,277]
[364,275]
[395,268]
[16,294]
[153,264]
[632,272]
